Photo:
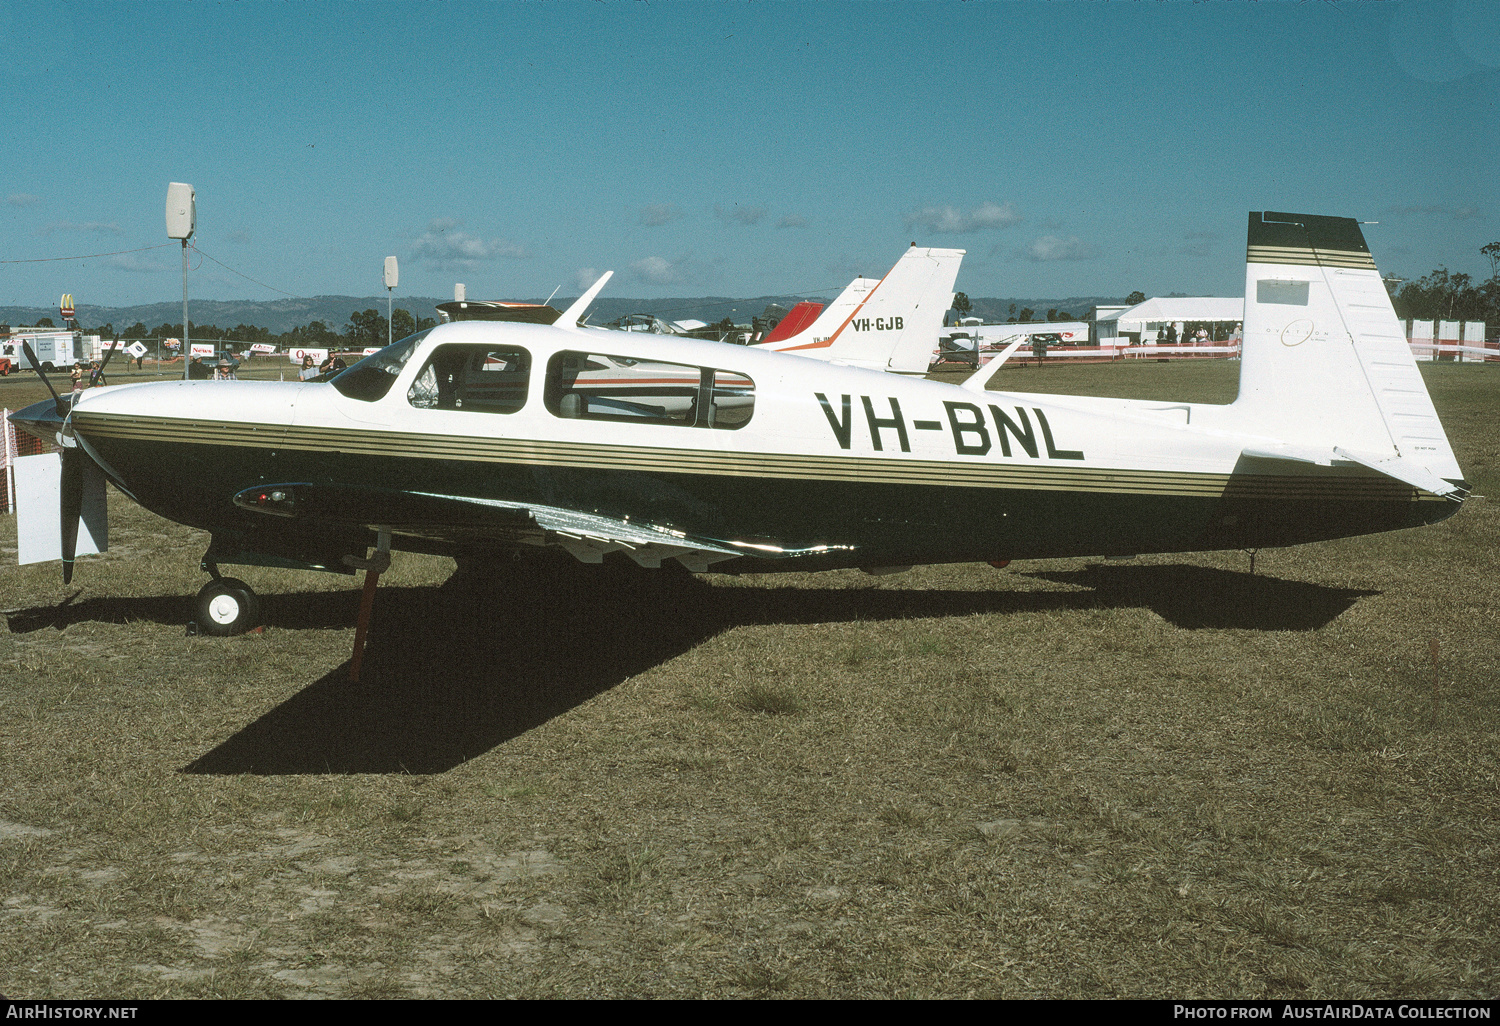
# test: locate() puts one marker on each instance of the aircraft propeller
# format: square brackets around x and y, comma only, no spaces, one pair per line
[36,365]
[70,498]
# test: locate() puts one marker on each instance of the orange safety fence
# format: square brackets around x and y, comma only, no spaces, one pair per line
[15,443]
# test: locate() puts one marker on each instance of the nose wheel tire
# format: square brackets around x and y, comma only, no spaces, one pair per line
[227,606]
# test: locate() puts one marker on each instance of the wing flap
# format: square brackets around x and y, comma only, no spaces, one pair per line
[589,537]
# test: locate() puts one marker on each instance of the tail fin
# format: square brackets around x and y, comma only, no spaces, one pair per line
[797,319]
[891,324]
[1325,363]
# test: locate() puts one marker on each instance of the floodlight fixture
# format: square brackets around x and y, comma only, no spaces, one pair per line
[392,275]
[182,221]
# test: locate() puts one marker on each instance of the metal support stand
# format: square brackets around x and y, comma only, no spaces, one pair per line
[187,344]
[373,568]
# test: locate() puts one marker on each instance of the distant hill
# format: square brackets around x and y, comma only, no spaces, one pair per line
[993,310]
[282,315]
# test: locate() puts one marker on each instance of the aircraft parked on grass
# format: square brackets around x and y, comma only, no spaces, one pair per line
[491,439]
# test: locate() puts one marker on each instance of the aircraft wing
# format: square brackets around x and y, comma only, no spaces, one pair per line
[589,537]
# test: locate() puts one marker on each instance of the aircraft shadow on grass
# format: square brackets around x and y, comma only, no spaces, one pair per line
[451,672]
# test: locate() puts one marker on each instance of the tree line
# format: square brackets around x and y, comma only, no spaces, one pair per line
[1444,295]
[365,329]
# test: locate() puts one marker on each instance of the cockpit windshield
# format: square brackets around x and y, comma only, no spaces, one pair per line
[371,378]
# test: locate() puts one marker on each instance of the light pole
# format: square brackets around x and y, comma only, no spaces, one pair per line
[182,219]
[392,274]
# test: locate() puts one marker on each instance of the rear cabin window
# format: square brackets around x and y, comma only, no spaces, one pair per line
[473,378]
[1286,293]
[595,386]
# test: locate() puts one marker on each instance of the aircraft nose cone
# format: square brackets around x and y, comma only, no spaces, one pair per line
[42,419]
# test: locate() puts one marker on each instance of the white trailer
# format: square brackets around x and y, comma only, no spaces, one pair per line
[53,349]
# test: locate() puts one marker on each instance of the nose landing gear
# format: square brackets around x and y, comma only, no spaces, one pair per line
[226,606]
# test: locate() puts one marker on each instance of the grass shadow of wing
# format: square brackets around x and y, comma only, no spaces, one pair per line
[452,672]
[1196,597]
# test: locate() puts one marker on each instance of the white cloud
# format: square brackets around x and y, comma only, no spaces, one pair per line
[655,270]
[655,214]
[792,221]
[585,278]
[444,244]
[952,221]
[22,199]
[1050,247]
[744,215]
[685,270]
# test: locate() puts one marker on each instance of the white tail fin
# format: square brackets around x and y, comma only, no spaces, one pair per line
[891,324]
[1325,363]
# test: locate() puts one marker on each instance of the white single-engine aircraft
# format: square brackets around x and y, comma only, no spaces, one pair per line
[478,439]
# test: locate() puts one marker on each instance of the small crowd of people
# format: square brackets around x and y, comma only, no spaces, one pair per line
[92,377]
[1169,337]
[327,369]
[227,369]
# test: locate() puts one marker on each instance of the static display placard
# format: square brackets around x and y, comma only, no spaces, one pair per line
[38,509]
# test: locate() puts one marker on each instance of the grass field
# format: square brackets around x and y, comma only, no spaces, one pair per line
[1160,778]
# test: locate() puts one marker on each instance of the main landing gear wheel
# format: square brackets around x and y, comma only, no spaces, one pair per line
[227,606]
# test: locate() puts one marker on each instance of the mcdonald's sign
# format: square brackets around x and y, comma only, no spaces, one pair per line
[66,307]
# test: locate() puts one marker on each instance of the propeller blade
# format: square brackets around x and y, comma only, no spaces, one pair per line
[37,366]
[107,355]
[71,506]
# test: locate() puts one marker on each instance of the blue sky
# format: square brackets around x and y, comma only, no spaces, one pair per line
[733,148]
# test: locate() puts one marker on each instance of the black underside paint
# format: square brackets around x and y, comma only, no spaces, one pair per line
[865,524]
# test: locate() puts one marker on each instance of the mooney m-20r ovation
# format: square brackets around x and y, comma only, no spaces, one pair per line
[481,439]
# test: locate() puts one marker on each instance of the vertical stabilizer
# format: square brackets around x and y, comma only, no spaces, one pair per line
[891,324]
[1325,363]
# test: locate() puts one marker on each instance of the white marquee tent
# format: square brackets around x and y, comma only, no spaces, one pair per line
[1156,313]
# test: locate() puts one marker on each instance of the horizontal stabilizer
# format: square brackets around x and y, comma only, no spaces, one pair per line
[1398,467]
[1403,469]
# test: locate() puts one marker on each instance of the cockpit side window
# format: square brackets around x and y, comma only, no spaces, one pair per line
[371,378]
[595,386]
[475,378]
